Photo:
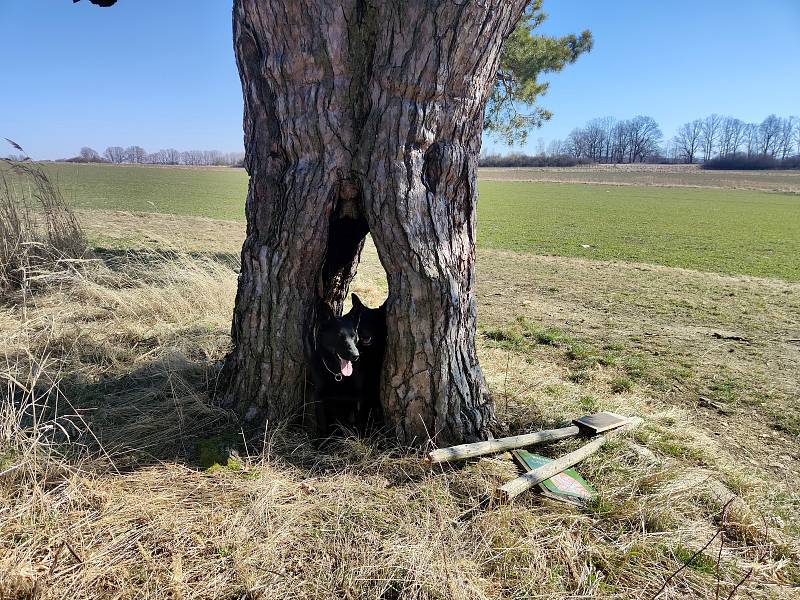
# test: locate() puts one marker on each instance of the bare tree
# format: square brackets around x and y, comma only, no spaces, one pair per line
[555,148]
[687,140]
[608,126]
[607,140]
[90,155]
[645,137]
[751,139]
[797,134]
[596,139]
[708,135]
[215,158]
[769,132]
[731,136]
[671,151]
[235,159]
[620,142]
[172,156]
[784,141]
[135,154]
[115,154]
[636,140]
[576,143]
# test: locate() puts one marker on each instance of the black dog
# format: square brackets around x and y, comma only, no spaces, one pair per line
[336,375]
[372,347]
[346,368]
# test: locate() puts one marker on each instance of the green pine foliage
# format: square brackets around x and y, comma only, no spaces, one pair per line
[511,111]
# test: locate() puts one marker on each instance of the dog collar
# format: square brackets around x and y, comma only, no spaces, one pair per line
[336,376]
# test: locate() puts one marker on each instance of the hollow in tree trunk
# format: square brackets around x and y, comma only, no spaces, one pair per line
[365,117]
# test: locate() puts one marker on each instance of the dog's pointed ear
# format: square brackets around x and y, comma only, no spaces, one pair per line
[357,303]
[325,312]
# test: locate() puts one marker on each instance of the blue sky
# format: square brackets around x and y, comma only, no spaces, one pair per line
[675,61]
[161,73]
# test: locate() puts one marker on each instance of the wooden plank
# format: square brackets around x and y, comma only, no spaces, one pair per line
[589,424]
[500,445]
[515,487]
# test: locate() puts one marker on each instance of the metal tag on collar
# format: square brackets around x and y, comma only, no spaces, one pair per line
[337,376]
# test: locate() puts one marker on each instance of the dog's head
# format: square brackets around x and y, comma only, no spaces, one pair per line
[371,326]
[337,339]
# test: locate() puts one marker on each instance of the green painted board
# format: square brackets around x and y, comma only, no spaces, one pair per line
[567,486]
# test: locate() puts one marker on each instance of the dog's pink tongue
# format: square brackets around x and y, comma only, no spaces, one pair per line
[347,367]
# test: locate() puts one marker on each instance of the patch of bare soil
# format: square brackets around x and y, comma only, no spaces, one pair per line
[118,229]
[651,175]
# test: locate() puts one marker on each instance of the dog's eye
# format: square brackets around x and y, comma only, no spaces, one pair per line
[366,340]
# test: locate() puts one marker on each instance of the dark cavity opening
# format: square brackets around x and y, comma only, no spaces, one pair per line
[345,385]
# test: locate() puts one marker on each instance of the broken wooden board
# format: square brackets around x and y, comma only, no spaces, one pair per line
[567,486]
[515,487]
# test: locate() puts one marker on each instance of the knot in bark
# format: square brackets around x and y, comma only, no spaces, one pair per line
[443,164]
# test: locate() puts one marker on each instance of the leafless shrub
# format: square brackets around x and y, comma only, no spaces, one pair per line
[38,229]
[743,162]
[523,160]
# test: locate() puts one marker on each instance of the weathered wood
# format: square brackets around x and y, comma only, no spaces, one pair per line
[588,424]
[465,451]
[600,422]
[515,487]
[365,117]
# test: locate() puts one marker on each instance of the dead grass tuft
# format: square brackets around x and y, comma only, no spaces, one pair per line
[39,233]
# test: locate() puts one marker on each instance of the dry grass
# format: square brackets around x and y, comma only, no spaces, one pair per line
[106,415]
[38,230]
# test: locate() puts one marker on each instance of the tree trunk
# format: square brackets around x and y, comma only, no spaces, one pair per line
[365,117]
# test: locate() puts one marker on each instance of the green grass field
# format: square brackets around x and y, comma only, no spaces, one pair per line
[728,231]
[217,193]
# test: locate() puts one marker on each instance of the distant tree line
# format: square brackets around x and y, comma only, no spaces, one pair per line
[137,155]
[742,162]
[717,137]
[717,142]
[608,140]
[526,160]
[604,140]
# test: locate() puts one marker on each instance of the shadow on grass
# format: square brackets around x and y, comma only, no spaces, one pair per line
[165,411]
[122,363]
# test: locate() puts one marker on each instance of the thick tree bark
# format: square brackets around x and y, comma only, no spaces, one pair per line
[365,117]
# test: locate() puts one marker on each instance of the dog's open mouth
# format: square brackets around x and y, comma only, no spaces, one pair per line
[346,367]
